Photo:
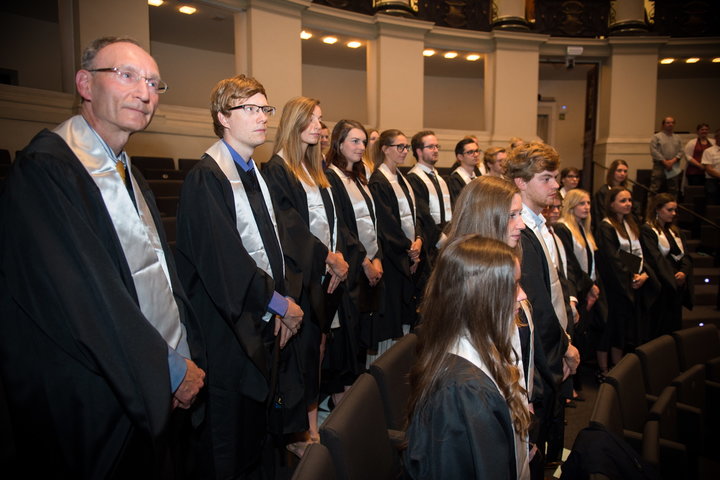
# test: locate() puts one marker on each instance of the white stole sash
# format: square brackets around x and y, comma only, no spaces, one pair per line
[463,174]
[244,217]
[367,234]
[664,244]
[317,215]
[631,244]
[433,200]
[556,293]
[407,215]
[465,349]
[136,230]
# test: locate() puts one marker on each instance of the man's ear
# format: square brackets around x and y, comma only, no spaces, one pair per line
[458,157]
[223,119]
[520,183]
[82,83]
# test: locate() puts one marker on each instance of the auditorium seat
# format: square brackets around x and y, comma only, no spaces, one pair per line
[391,371]
[162,174]
[165,188]
[143,162]
[661,368]
[699,345]
[355,433]
[316,464]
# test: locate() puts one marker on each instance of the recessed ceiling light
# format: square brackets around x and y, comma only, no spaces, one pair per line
[428,52]
[450,55]
[354,44]
[329,40]
[716,60]
[692,60]
[187,9]
[667,61]
[305,35]
[472,57]
[155,3]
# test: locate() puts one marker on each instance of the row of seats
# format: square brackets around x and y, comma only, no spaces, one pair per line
[663,401]
[362,437]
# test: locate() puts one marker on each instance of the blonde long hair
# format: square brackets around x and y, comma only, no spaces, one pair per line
[572,199]
[295,118]
[471,292]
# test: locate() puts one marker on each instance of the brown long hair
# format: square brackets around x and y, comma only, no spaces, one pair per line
[295,118]
[472,291]
[386,138]
[629,218]
[334,155]
[656,203]
[482,208]
[610,177]
[572,199]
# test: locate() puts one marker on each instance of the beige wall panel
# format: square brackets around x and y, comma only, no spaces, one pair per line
[341,91]
[454,103]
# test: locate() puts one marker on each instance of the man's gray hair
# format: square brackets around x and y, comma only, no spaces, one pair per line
[89,54]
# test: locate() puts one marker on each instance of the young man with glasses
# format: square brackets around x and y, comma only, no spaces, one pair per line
[231,263]
[96,333]
[467,154]
[434,206]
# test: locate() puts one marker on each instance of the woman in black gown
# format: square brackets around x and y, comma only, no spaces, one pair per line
[400,235]
[668,255]
[468,415]
[301,193]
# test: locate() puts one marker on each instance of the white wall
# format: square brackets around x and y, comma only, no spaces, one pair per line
[191,73]
[569,132]
[341,91]
[689,101]
[32,47]
[454,103]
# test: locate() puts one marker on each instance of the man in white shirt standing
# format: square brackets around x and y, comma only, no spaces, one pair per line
[534,167]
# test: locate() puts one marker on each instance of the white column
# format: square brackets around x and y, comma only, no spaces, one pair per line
[395,74]
[626,103]
[511,86]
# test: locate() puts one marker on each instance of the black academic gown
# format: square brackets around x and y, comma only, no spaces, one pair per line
[86,374]
[359,300]
[400,302]
[431,230]
[535,281]
[666,314]
[463,431]
[230,295]
[308,253]
[628,309]
[455,184]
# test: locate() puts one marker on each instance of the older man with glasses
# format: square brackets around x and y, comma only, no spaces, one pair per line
[96,334]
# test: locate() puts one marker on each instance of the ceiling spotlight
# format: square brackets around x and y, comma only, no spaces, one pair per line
[667,61]
[692,60]
[305,35]
[155,3]
[716,60]
[472,57]
[329,40]
[428,52]
[187,9]
[450,55]
[354,44]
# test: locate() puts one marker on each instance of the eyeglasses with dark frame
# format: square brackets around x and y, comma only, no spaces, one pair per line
[251,109]
[128,77]
[432,147]
[401,147]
